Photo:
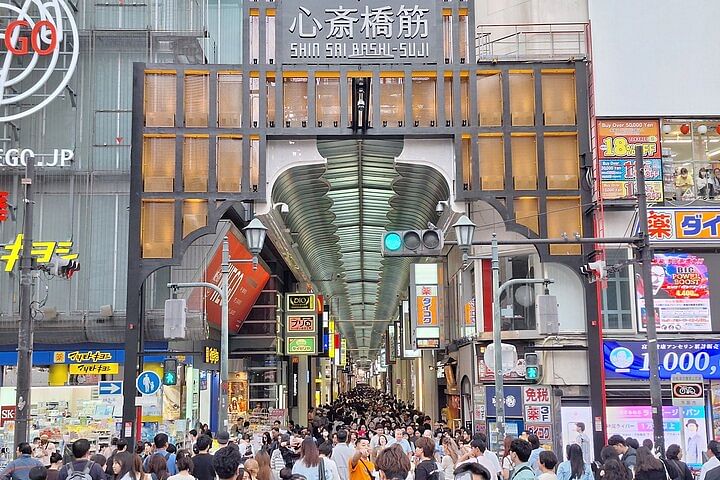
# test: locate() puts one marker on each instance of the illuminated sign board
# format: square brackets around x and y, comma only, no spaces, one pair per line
[212,355]
[4,211]
[301,323]
[697,225]
[41,251]
[301,346]
[300,302]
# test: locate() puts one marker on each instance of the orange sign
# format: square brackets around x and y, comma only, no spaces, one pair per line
[470,313]
[244,286]
[618,138]
[427,305]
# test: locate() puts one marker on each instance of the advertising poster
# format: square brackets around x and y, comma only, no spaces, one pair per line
[715,399]
[684,426]
[617,140]
[681,293]
[237,396]
[577,428]
[630,359]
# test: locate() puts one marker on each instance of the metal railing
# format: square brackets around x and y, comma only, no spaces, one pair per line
[532,41]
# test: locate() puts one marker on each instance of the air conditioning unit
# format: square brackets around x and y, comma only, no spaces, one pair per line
[229,120]
[490,119]
[196,120]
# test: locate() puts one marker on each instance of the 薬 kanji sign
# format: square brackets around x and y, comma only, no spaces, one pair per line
[376,31]
[669,225]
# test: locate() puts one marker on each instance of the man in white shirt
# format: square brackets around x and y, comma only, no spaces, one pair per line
[342,453]
[480,454]
[713,451]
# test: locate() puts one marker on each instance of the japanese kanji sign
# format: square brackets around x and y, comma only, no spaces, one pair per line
[536,395]
[376,31]
[4,212]
[538,413]
[427,305]
[542,430]
[670,225]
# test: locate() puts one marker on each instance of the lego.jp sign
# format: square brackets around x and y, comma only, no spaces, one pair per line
[376,31]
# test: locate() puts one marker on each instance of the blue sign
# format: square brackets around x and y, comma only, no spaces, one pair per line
[624,169]
[148,382]
[110,388]
[630,360]
[513,400]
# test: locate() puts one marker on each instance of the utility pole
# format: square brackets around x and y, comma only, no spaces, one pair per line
[645,252]
[25,330]
[225,339]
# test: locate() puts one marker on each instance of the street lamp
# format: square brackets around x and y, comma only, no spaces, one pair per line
[464,230]
[255,233]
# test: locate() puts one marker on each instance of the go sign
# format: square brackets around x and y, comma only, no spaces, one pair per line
[687,390]
[43,30]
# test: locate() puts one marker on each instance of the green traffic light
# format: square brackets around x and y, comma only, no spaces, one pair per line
[392,242]
[532,373]
[170,378]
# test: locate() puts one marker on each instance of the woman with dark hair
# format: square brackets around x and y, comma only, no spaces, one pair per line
[392,463]
[574,468]
[157,468]
[310,463]
[674,459]
[615,470]
[184,465]
[607,453]
[128,466]
[648,467]
[56,462]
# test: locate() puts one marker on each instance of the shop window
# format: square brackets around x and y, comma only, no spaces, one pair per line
[157,228]
[526,212]
[695,147]
[197,100]
[271,100]
[448,101]
[564,216]
[465,100]
[160,100]
[522,99]
[558,98]
[423,101]
[492,162]
[194,215]
[617,308]
[254,163]
[467,163]
[489,99]
[327,102]
[295,101]
[562,162]
[524,162]
[229,164]
[158,164]
[392,104]
[229,101]
[195,164]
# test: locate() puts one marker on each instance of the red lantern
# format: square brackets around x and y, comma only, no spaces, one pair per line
[717,128]
[685,128]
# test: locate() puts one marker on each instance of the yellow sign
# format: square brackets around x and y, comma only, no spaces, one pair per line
[94,368]
[212,355]
[88,357]
[304,302]
[58,357]
[41,251]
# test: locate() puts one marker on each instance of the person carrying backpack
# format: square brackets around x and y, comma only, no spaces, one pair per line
[161,445]
[81,468]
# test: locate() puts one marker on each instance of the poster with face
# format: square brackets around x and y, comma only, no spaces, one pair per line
[681,293]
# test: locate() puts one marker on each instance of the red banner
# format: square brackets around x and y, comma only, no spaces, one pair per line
[244,286]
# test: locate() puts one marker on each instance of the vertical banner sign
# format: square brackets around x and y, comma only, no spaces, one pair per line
[470,313]
[343,352]
[681,293]
[479,414]
[538,412]
[617,140]
[427,305]
[4,212]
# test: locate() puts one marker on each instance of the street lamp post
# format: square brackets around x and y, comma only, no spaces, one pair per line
[255,236]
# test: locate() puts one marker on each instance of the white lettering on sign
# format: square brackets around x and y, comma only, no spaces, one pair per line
[16,157]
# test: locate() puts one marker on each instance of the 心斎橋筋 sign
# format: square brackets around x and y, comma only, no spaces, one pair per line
[376,31]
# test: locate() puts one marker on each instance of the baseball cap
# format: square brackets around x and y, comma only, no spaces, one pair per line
[223,437]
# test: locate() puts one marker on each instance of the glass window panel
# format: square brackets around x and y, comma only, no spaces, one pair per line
[626,321]
[492,163]
[564,216]
[522,99]
[465,100]
[270,39]
[562,163]
[158,164]
[295,97]
[327,102]
[489,99]
[197,100]
[447,38]
[467,164]
[424,103]
[160,98]
[270,94]
[195,164]
[392,105]
[194,215]
[254,101]
[558,97]
[526,212]
[229,100]
[448,101]
[524,162]
[254,164]
[463,38]
[229,164]
[157,228]
[254,38]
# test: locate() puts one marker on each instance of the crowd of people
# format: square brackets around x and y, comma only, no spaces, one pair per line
[363,435]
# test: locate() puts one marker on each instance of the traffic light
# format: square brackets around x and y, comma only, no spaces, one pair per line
[413,243]
[170,371]
[532,367]
[61,267]
[594,271]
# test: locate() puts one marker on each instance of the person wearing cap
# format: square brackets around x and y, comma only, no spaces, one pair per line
[693,449]
[713,452]
[221,440]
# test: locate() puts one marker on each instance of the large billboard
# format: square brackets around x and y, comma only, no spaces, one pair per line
[681,291]
[630,360]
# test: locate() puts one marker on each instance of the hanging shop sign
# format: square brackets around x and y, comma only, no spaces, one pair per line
[301,323]
[38,38]
[300,302]
[687,390]
[427,305]
[7,414]
[378,31]
[301,346]
[212,355]
[42,252]
[630,360]
[616,143]
[682,225]
[536,395]
[681,293]
[513,401]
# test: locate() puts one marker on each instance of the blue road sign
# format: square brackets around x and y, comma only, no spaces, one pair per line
[110,388]
[148,382]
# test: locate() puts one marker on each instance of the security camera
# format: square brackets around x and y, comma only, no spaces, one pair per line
[439,208]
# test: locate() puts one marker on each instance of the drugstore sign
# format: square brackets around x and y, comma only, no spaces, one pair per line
[698,225]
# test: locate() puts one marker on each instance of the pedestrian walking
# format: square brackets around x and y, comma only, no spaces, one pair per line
[574,468]
[648,467]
